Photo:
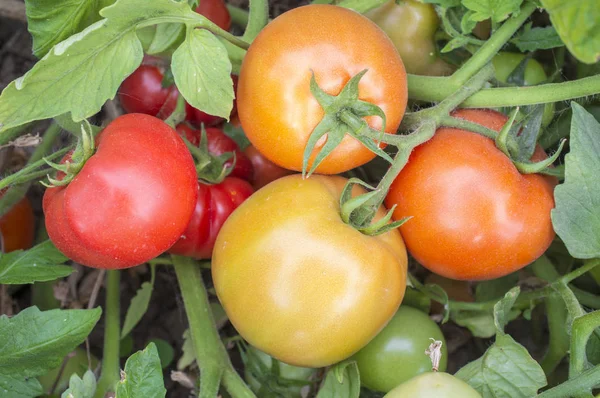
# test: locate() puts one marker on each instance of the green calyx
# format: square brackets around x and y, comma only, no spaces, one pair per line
[83,151]
[344,114]
[211,169]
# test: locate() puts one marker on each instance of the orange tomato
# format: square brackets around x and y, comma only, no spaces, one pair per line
[276,108]
[17,227]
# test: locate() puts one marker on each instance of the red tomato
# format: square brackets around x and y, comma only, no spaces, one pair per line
[475,217]
[216,11]
[142,91]
[17,227]
[215,203]
[265,171]
[218,144]
[132,199]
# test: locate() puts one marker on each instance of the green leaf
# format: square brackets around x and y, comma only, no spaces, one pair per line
[479,323]
[139,305]
[576,217]
[142,376]
[455,43]
[467,23]
[81,387]
[85,70]
[506,370]
[167,36]
[34,342]
[50,22]
[166,353]
[342,380]
[202,70]
[189,356]
[532,39]
[497,10]
[237,134]
[502,309]
[19,387]
[578,25]
[38,264]
[528,136]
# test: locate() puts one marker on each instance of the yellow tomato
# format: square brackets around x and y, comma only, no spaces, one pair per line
[300,284]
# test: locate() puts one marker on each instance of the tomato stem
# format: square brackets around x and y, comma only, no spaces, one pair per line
[257,19]
[578,385]
[581,331]
[109,375]
[211,356]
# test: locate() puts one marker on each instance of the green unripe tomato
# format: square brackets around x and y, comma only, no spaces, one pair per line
[505,63]
[434,385]
[287,381]
[411,26]
[397,353]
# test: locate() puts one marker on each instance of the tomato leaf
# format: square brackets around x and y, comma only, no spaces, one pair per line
[166,353]
[502,309]
[497,10]
[532,39]
[28,351]
[166,37]
[139,305]
[20,387]
[142,376]
[455,43]
[81,387]
[506,370]
[86,69]
[576,217]
[51,22]
[578,25]
[342,380]
[38,264]
[479,323]
[467,24]
[202,72]
[527,139]
[189,356]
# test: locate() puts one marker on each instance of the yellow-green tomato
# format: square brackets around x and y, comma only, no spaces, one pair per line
[505,63]
[434,385]
[300,284]
[263,373]
[411,26]
[397,353]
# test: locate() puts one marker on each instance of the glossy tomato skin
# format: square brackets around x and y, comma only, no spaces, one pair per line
[215,203]
[142,91]
[218,144]
[17,227]
[131,201]
[475,217]
[264,171]
[434,385]
[216,11]
[411,26]
[275,105]
[298,283]
[396,354]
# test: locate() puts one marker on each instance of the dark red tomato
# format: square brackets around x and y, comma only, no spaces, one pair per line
[218,144]
[265,171]
[142,91]
[216,11]
[215,204]
[199,117]
[17,227]
[132,199]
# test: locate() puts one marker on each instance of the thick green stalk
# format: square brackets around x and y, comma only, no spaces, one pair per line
[582,329]
[581,384]
[491,47]
[213,360]
[110,373]
[258,18]
[15,193]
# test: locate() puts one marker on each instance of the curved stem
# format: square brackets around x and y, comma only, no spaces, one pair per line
[257,19]
[15,193]
[29,169]
[578,385]
[449,121]
[491,47]
[582,329]
[435,89]
[109,375]
[211,356]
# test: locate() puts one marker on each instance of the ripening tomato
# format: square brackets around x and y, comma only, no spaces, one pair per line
[396,354]
[215,203]
[218,144]
[276,108]
[142,91]
[434,385]
[17,227]
[216,11]
[411,25]
[474,216]
[300,284]
[132,199]
[265,171]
